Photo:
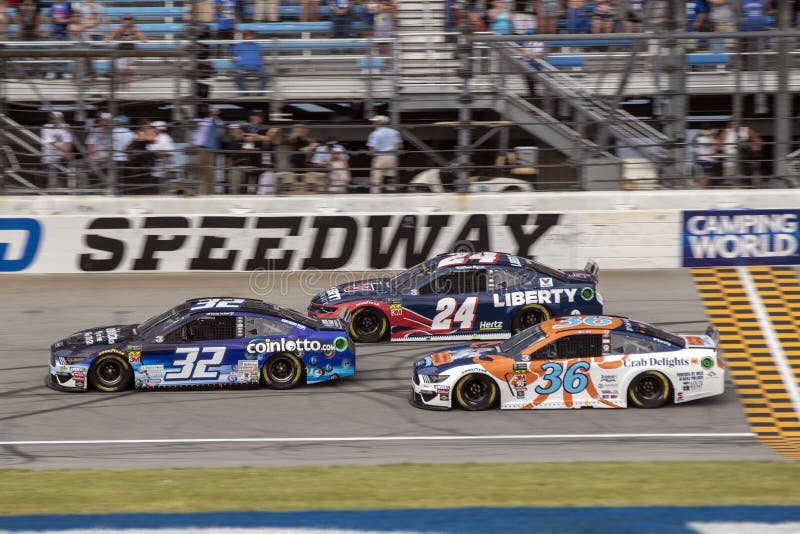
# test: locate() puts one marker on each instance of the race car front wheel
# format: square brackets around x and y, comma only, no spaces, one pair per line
[528,317]
[650,389]
[110,372]
[476,392]
[368,325]
[282,371]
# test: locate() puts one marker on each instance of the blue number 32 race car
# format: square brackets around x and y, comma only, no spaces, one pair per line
[206,342]
[483,295]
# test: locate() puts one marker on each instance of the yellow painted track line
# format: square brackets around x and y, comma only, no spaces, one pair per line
[756,374]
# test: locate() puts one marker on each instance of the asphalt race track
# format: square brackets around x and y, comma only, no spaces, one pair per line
[314,425]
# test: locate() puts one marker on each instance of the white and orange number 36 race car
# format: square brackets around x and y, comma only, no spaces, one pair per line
[580,361]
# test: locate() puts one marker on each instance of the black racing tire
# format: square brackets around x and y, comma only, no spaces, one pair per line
[650,389]
[528,316]
[476,392]
[368,325]
[110,373]
[282,371]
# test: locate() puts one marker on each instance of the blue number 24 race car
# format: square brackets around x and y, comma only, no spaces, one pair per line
[206,342]
[483,295]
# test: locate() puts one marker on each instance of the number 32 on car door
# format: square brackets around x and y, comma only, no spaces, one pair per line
[449,314]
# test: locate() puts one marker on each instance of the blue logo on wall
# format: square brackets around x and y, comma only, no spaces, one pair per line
[28,233]
[741,237]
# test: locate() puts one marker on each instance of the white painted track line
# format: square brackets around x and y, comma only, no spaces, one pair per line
[530,437]
[774,344]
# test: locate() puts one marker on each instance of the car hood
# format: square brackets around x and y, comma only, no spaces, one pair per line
[101,336]
[454,357]
[371,288]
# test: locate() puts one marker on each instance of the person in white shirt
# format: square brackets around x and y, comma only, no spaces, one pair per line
[56,148]
[93,19]
[164,146]
[383,142]
[706,148]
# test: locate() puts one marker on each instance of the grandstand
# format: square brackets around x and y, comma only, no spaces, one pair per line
[603,111]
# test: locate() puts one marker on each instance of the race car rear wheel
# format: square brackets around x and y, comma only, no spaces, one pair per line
[110,372]
[650,389]
[529,316]
[476,392]
[282,371]
[368,325]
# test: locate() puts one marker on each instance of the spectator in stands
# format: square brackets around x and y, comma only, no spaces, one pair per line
[227,17]
[93,19]
[269,145]
[302,146]
[249,63]
[701,22]
[29,17]
[338,171]
[723,14]
[383,25]
[164,148]
[266,10]
[384,143]
[500,17]
[603,17]
[310,10]
[206,141]
[99,144]
[128,33]
[56,149]
[139,179]
[369,8]
[706,148]
[341,18]
[3,20]
[532,50]
[121,137]
[322,154]
[631,13]
[237,162]
[75,28]
[60,14]
[578,17]
[740,144]
[260,141]
[753,20]
[548,12]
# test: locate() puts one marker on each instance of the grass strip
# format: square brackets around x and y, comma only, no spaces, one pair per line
[399,486]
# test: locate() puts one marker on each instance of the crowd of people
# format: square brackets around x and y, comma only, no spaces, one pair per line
[605,16]
[218,156]
[86,20]
[718,153]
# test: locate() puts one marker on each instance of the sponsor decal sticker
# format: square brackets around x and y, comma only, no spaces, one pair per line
[741,237]
[707,363]
[587,293]
[545,282]
[540,296]
[491,325]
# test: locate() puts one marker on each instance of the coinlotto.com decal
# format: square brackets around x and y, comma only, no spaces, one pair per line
[741,237]
[265,346]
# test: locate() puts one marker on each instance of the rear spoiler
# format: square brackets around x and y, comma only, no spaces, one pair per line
[713,333]
[592,268]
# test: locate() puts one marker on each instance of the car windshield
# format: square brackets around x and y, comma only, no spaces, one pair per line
[407,279]
[515,344]
[158,323]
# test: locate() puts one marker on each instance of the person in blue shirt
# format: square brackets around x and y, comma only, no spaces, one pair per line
[226,18]
[341,18]
[249,63]
[60,13]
